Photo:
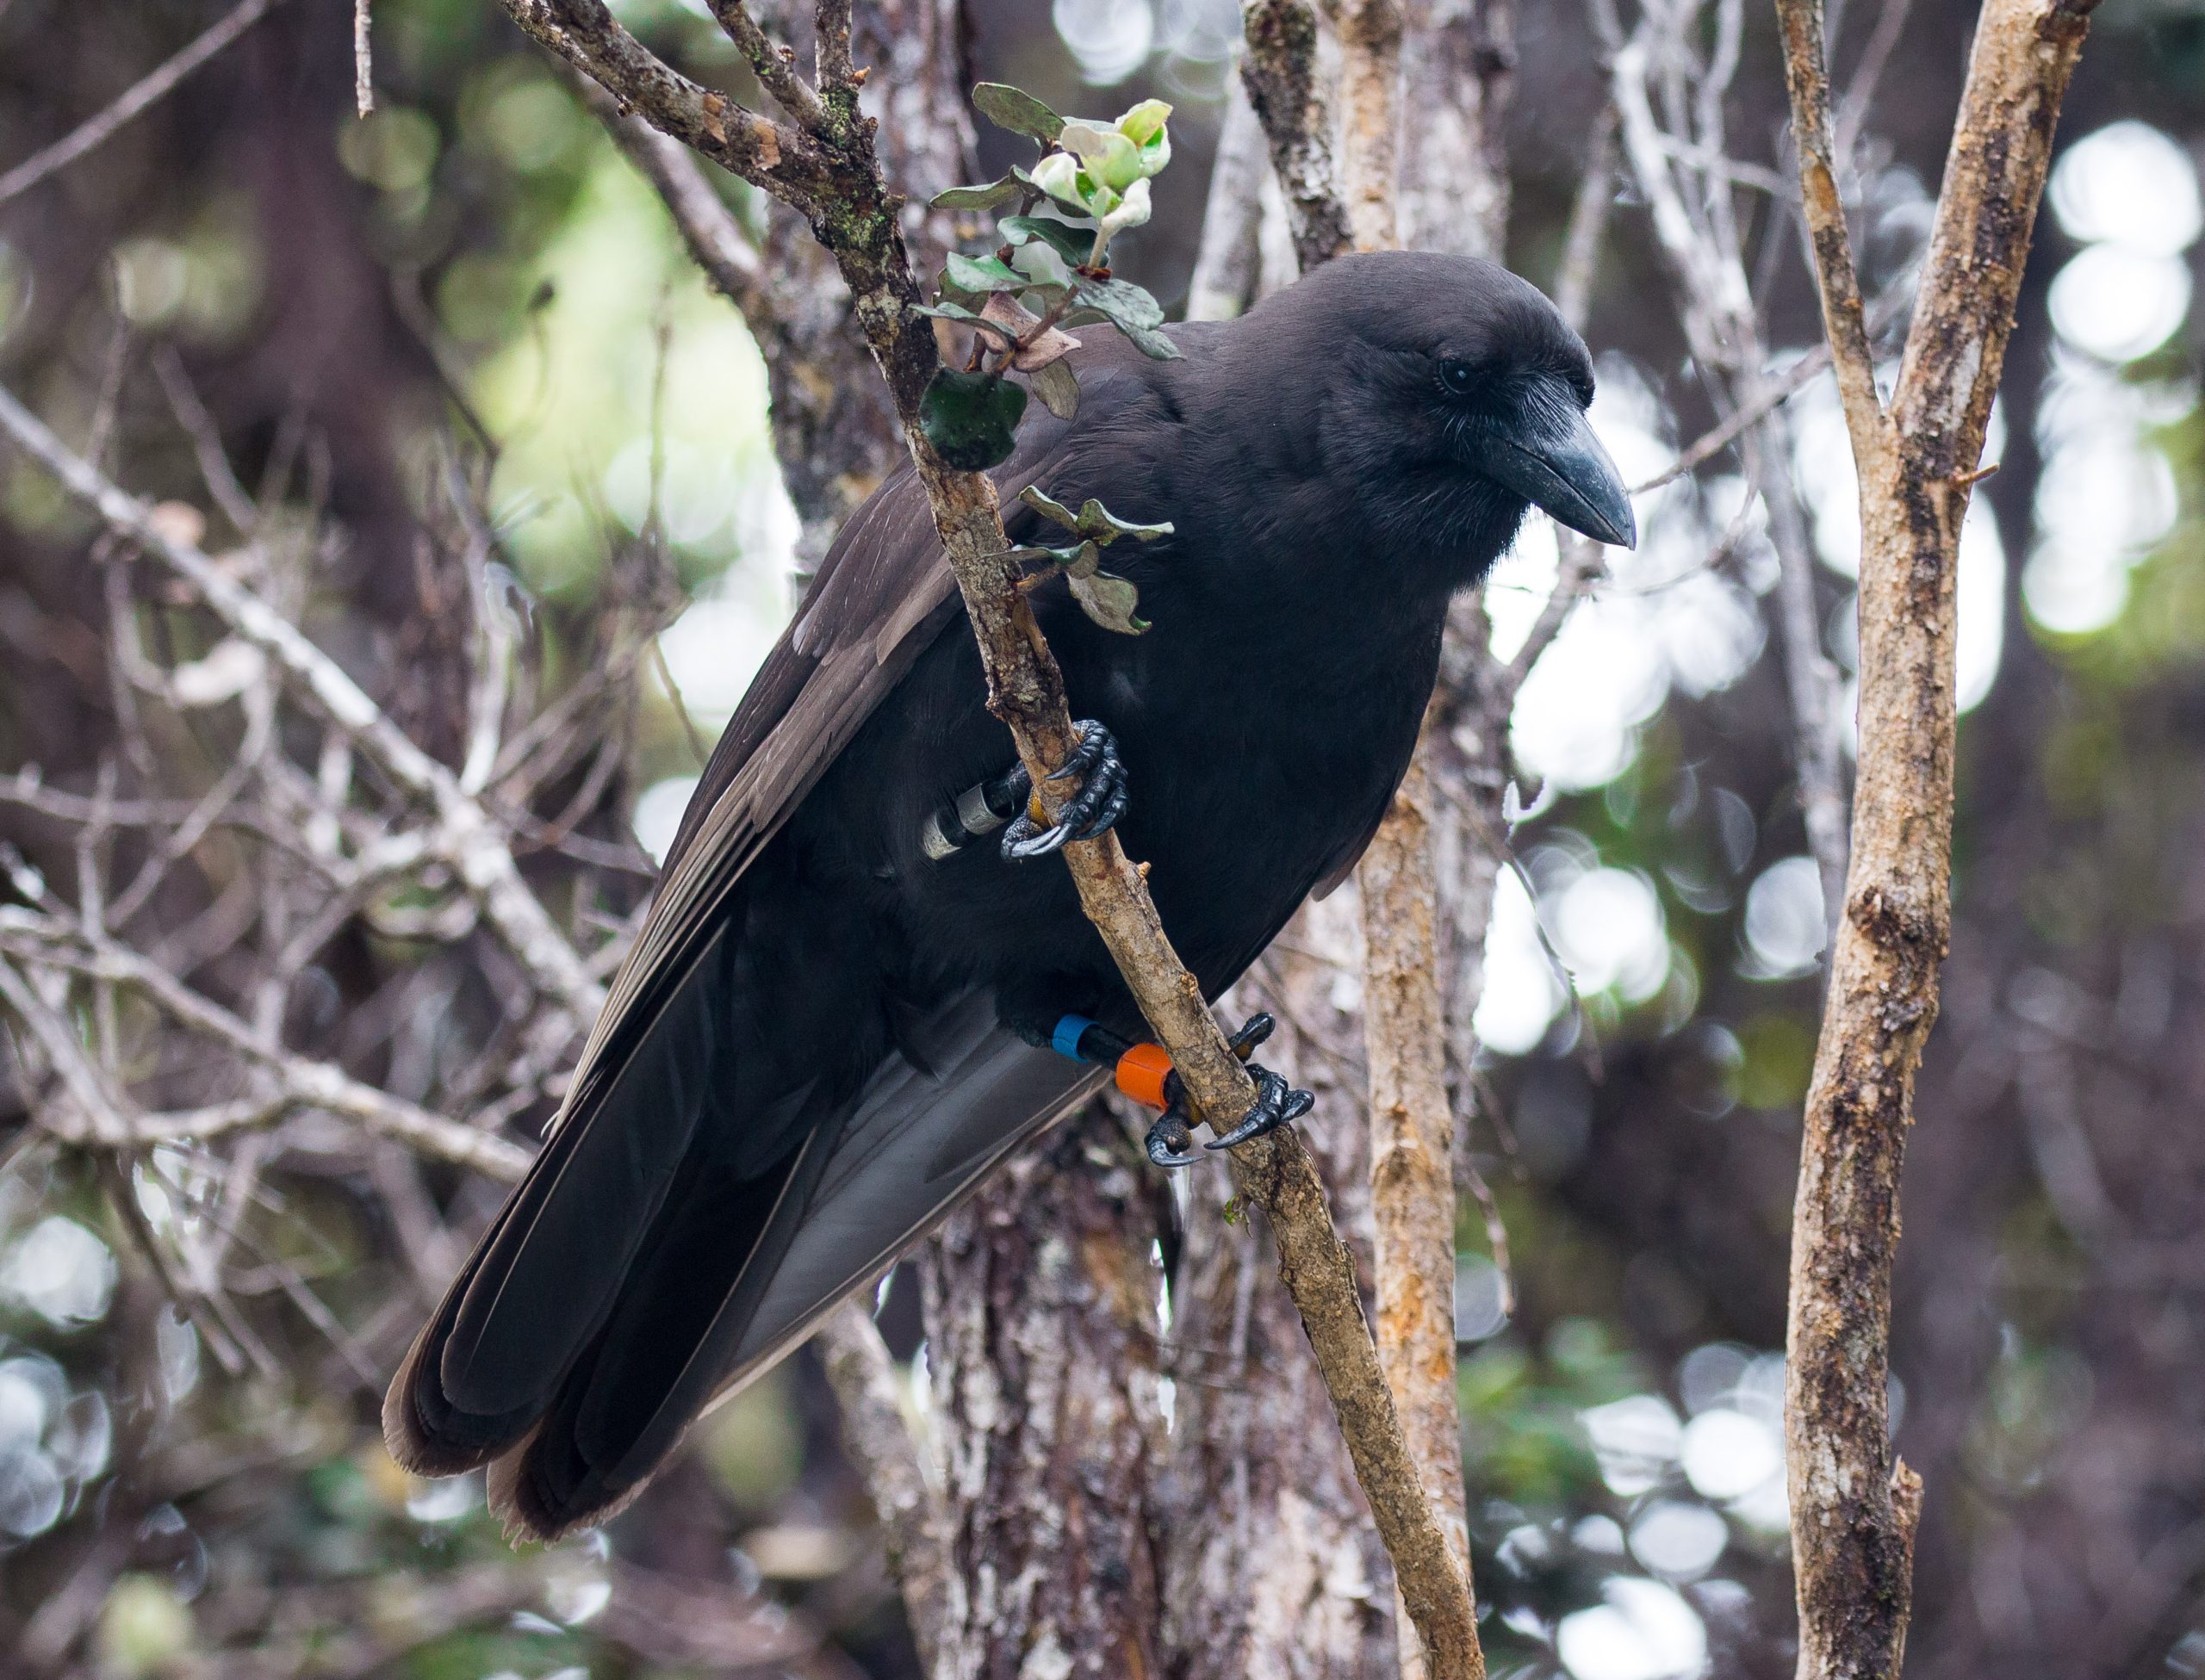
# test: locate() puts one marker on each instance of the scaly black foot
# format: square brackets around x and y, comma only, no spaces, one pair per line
[1170,1143]
[1100,801]
[1276,1103]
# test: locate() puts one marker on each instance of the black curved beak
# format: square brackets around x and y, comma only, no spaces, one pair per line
[1553,460]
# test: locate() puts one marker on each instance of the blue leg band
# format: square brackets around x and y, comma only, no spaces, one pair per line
[1064,1038]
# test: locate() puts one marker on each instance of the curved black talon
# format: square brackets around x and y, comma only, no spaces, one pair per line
[1276,1103]
[1170,1143]
[1100,801]
[1254,1031]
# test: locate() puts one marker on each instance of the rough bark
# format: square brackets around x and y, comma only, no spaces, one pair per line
[1049,1440]
[1285,85]
[1370,35]
[1853,1506]
[1458,67]
[1271,1566]
[1412,1144]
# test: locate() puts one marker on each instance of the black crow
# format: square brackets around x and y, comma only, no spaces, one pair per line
[854,997]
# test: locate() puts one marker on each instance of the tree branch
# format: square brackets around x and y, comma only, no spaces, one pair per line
[1853,1506]
[1280,74]
[878,1439]
[29,937]
[1844,321]
[469,838]
[1370,35]
[96,131]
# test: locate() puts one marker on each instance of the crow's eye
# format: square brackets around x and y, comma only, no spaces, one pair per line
[1459,378]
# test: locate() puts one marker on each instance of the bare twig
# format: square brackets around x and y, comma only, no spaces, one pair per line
[879,1438]
[1589,221]
[363,60]
[96,130]
[1853,1506]
[716,241]
[30,938]
[1699,237]
[469,836]
[1227,264]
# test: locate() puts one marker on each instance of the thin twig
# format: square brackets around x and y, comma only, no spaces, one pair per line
[364,61]
[96,130]
[472,841]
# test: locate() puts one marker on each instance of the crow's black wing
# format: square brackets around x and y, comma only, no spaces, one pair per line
[612,1297]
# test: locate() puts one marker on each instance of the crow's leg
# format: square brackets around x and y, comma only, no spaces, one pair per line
[1007,799]
[1145,1073]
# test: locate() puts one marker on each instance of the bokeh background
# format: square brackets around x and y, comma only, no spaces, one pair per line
[477,259]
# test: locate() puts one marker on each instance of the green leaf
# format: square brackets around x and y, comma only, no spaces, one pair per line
[972,420]
[1152,343]
[1107,155]
[982,275]
[1049,507]
[1004,190]
[1131,310]
[1017,110]
[1059,389]
[1094,521]
[1120,302]
[1111,601]
[1070,242]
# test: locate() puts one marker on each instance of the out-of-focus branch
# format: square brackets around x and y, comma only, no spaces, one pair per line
[1370,35]
[1853,1506]
[1458,69]
[35,940]
[1285,85]
[1228,263]
[1700,239]
[825,167]
[709,230]
[878,1439]
[150,90]
[468,837]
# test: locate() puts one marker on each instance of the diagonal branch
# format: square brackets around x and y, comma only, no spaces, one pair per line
[36,940]
[149,90]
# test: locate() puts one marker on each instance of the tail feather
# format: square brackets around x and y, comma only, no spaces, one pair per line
[574,1374]
[668,1346]
[545,1275]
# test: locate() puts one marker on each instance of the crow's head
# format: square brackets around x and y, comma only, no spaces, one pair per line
[1457,394]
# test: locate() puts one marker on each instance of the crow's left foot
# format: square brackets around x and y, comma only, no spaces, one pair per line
[1100,801]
